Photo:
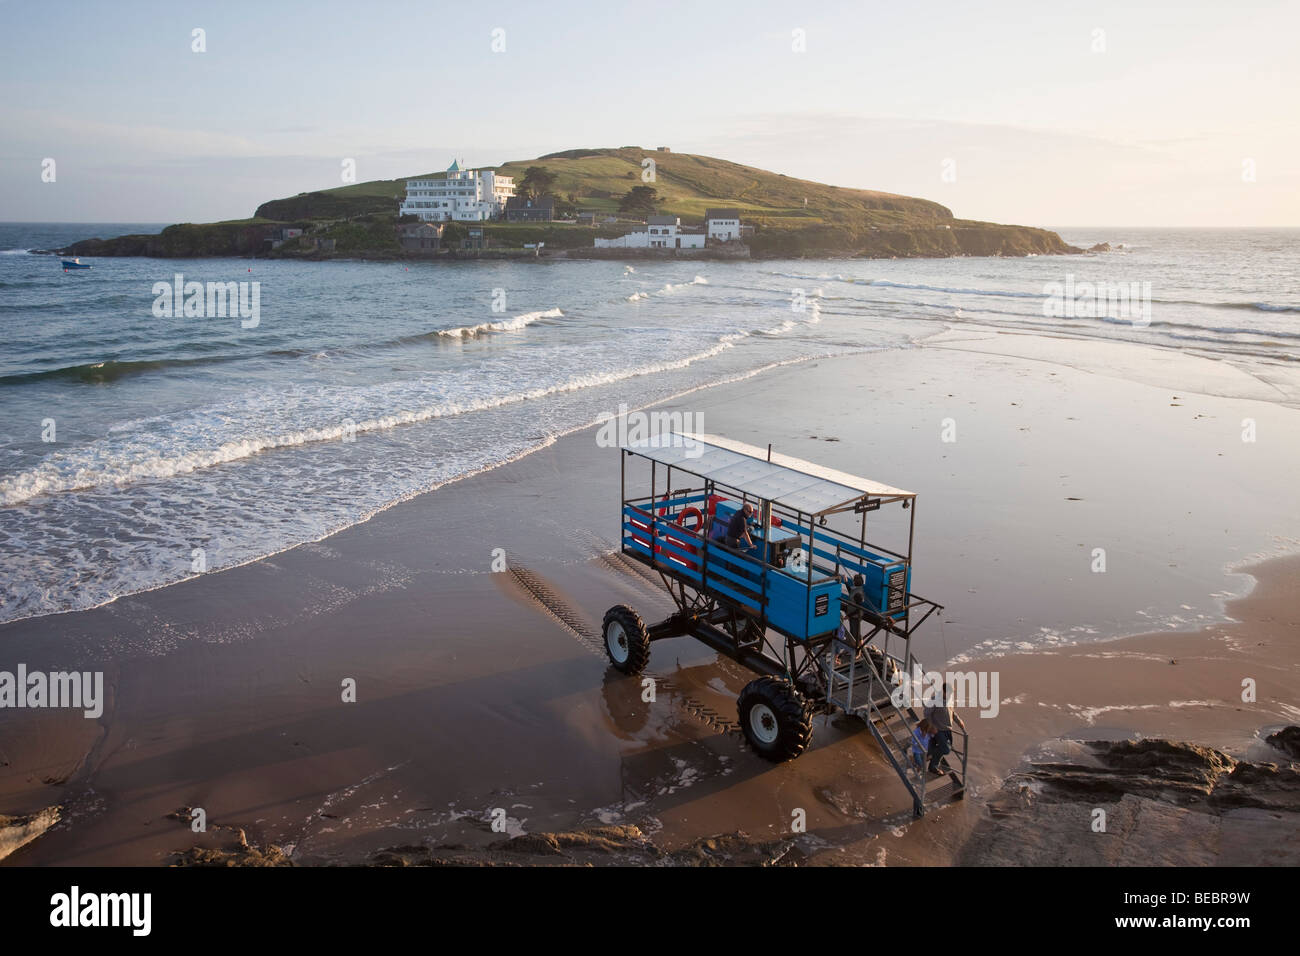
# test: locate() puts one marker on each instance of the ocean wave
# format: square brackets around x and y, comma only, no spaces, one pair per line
[1252,306]
[1211,338]
[673,286]
[1193,326]
[91,467]
[518,323]
[515,324]
[1005,293]
[111,370]
[781,329]
[959,291]
[638,296]
[83,581]
[812,310]
[1216,333]
[820,277]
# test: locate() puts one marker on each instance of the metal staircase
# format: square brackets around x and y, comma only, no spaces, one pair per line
[861,681]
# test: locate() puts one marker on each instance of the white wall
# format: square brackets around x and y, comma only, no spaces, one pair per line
[723,229]
[633,240]
[644,240]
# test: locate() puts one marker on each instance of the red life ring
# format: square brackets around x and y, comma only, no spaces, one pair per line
[688,545]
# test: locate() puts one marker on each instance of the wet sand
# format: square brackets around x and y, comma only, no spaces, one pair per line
[483,695]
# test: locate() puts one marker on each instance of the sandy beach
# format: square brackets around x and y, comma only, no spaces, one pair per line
[482,692]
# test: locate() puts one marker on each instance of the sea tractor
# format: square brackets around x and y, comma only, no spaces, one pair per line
[822,617]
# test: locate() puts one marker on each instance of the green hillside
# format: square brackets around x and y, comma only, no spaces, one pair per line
[688,184]
[792,217]
[595,179]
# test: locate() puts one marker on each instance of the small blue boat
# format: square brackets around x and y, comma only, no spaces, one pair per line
[75,264]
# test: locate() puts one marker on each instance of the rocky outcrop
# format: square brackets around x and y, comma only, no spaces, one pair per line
[1147,802]
[232,856]
[955,238]
[183,241]
[615,845]
[1286,740]
[624,845]
[18,831]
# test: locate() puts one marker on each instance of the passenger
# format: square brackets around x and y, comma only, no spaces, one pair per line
[857,599]
[738,528]
[921,738]
[940,716]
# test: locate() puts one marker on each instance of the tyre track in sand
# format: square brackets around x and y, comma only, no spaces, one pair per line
[612,559]
[573,622]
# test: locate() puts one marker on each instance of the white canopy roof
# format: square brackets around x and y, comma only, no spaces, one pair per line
[792,482]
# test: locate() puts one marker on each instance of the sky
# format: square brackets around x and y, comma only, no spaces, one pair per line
[1038,113]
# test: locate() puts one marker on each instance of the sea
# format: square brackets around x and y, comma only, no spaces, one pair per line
[140,445]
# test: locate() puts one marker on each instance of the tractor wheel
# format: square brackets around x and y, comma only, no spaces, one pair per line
[627,642]
[776,718]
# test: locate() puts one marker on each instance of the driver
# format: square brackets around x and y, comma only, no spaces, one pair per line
[738,528]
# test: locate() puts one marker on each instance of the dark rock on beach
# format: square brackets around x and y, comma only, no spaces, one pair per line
[625,845]
[1146,802]
[1286,740]
[17,831]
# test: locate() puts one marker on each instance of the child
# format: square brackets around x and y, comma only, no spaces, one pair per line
[921,737]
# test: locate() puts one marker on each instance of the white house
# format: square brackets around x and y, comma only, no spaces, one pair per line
[659,232]
[466,195]
[722,224]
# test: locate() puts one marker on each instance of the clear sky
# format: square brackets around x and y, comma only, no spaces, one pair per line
[1175,113]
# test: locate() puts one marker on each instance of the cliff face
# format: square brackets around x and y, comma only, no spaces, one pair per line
[960,238]
[182,241]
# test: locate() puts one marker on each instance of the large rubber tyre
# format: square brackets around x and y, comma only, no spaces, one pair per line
[627,642]
[776,718]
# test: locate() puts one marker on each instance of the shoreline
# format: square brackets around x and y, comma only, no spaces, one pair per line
[559,255]
[965,338]
[277,755]
[547,442]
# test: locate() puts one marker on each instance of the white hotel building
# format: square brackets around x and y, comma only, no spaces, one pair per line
[465,195]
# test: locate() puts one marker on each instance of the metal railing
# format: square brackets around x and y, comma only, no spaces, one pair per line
[893,726]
